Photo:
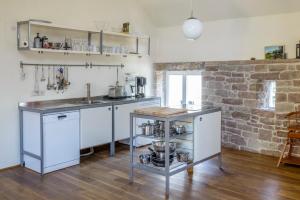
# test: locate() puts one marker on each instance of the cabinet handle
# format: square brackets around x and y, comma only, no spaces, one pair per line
[200,119]
[61,117]
[117,108]
[109,108]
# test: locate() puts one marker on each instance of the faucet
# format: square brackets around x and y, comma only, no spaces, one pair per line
[88,93]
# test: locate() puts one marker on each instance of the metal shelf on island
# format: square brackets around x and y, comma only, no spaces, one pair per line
[184,136]
[175,165]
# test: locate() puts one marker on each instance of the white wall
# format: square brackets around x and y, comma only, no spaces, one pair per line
[235,39]
[79,13]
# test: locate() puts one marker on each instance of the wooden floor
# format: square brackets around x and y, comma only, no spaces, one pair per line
[246,176]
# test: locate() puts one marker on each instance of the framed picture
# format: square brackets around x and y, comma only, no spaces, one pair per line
[274,52]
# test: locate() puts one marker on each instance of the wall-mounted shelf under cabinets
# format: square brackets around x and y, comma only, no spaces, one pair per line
[80,41]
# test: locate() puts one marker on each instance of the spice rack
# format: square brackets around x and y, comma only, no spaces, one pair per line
[95,42]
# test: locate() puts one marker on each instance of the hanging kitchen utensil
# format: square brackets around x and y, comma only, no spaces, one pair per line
[36,89]
[66,77]
[54,82]
[22,75]
[49,86]
[43,75]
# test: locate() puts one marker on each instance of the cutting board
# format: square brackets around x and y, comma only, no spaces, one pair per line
[160,111]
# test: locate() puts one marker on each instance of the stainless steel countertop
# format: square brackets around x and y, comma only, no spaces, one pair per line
[60,105]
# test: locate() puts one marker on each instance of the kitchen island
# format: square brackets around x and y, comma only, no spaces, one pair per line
[52,133]
[200,142]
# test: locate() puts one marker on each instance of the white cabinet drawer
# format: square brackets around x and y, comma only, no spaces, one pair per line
[60,116]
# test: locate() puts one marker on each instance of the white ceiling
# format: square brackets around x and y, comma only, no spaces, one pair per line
[173,12]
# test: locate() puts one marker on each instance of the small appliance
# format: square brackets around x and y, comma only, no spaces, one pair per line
[140,86]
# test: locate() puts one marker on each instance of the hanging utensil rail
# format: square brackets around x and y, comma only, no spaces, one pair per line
[86,65]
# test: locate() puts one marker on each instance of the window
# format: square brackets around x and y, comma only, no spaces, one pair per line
[269,94]
[184,89]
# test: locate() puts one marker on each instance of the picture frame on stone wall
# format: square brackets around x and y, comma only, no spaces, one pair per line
[274,52]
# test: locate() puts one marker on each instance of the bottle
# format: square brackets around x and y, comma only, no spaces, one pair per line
[37,42]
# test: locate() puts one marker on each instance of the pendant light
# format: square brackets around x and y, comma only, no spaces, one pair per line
[192,27]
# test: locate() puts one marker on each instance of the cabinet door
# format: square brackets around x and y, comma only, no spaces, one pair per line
[96,126]
[207,135]
[122,120]
[122,117]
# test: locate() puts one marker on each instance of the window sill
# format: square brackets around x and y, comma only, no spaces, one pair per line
[267,109]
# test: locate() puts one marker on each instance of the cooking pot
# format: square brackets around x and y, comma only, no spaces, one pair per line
[147,128]
[161,155]
[159,146]
[116,91]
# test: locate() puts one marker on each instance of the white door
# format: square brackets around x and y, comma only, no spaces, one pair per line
[61,138]
[122,117]
[207,135]
[96,126]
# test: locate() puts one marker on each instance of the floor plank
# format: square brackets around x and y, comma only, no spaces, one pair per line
[246,176]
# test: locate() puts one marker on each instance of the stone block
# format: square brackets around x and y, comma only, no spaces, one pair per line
[261,68]
[240,87]
[294,97]
[277,68]
[238,140]
[265,76]
[247,95]
[250,103]
[281,97]
[232,101]
[284,107]
[265,135]
[215,85]
[234,74]
[290,75]
[222,93]
[229,68]
[233,131]
[235,80]
[296,83]
[246,68]
[211,68]
[286,83]
[282,133]
[208,78]
[267,121]
[220,78]
[244,127]
[258,87]
[231,124]
[240,115]
[263,113]
[220,73]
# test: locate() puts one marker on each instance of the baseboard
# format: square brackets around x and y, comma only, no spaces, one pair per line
[11,167]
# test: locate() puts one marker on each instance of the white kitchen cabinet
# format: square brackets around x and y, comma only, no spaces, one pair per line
[122,117]
[51,141]
[96,126]
[207,135]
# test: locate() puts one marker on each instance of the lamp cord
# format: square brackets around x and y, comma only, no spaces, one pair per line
[192,12]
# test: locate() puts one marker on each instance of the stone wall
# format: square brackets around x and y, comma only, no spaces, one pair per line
[237,87]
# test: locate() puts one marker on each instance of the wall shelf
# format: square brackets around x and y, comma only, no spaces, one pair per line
[103,42]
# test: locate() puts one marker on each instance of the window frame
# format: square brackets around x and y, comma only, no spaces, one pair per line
[184,81]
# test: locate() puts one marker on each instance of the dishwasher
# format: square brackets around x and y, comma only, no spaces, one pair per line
[59,142]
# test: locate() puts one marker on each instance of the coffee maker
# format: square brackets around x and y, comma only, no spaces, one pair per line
[140,86]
